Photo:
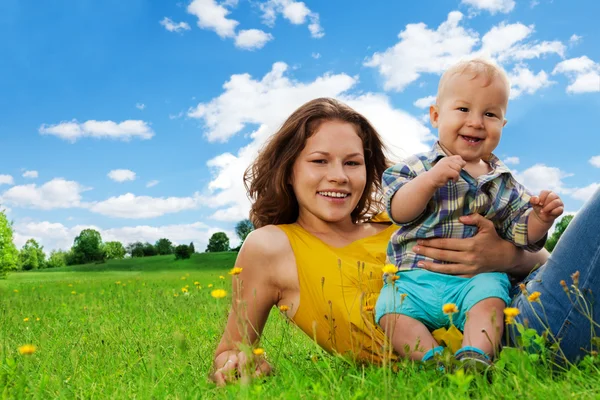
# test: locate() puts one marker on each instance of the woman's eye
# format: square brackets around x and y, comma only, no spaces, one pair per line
[318,161]
[463,109]
[353,163]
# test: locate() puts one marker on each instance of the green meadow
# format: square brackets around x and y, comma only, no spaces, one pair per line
[147,328]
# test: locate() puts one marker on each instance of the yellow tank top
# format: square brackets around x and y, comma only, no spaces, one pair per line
[338,291]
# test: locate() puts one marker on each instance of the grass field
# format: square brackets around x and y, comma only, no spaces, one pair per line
[126,329]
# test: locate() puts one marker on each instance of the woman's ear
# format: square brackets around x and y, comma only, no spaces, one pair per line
[434,114]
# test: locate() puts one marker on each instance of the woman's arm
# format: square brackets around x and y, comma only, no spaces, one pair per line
[485,252]
[254,292]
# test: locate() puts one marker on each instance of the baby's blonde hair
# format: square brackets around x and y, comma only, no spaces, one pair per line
[476,67]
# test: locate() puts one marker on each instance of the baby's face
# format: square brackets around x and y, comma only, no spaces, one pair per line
[469,115]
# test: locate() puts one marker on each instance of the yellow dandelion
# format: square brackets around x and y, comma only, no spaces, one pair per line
[124,285]
[522,287]
[403,296]
[369,308]
[183,278]
[389,269]
[117,282]
[218,293]
[37,319]
[283,308]
[184,290]
[394,278]
[175,295]
[511,312]
[258,351]
[73,292]
[221,277]
[27,349]
[16,291]
[535,296]
[235,271]
[210,285]
[70,285]
[196,283]
[25,319]
[449,308]
[186,286]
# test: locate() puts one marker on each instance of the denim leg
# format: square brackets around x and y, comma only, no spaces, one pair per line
[577,250]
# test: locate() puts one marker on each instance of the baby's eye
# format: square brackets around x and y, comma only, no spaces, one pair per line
[463,109]
[491,115]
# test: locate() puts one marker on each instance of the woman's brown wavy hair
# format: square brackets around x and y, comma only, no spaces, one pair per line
[266,180]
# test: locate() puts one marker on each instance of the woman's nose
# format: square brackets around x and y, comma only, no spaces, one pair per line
[337,174]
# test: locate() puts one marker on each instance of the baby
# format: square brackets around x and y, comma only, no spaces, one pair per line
[427,193]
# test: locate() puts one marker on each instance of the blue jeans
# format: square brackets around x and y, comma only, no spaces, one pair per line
[577,250]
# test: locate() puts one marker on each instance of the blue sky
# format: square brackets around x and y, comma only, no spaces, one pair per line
[138,117]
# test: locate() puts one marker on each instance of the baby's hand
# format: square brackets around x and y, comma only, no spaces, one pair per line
[547,206]
[447,169]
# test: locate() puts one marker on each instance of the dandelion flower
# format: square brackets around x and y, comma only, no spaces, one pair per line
[258,351]
[25,319]
[522,287]
[368,308]
[403,296]
[73,292]
[175,295]
[221,277]
[389,269]
[37,319]
[218,293]
[16,291]
[394,278]
[511,313]
[535,296]
[183,278]
[27,349]
[70,285]
[235,271]
[196,283]
[283,308]
[449,308]
[184,290]
[117,282]
[210,285]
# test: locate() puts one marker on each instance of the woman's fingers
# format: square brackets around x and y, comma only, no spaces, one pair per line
[443,243]
[449,269]
[263,368]
[228,370]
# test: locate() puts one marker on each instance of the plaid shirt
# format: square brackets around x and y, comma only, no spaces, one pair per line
[496,195]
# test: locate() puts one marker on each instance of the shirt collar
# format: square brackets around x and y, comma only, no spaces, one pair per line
[438,152]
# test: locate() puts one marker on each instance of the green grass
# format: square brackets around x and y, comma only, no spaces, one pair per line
[137,339]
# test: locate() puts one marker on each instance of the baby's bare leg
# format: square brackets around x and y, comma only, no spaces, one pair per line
[405,332]
[487,315]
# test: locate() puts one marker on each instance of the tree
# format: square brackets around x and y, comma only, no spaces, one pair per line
[163,246]
[192,248]
[9,255]
[87,247]
[243,229]
[57,259]
[136,249]
[149,250]
[218,242]
[114,250]
[32,256]
[560,228]
[182,252]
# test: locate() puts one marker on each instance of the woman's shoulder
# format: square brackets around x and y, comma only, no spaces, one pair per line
[267,241]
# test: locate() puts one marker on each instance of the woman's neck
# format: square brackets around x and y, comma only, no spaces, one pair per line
[316,225]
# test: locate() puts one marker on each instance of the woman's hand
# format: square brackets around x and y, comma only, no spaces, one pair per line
[233,365]
[484,252]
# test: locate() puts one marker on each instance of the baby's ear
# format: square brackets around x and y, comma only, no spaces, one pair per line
[434,114]
[505,122]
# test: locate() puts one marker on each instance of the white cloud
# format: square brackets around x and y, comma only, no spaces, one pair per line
[425,102]
[140,106]
[595,161]
[316,56]
[264,104]
[523,80]
[58,236]
[6,180]
[30,174]
[583,74]
[512,160]
[295,12]
[74,130]
[152,183]
[421,50]
[132,206]
[172,26]
[541,177]
[213,16]
[585,193]
[574,39]
[252,39]
[493,6]
[121,175]
[57,193]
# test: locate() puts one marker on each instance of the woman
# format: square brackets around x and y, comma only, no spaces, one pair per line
[319,246]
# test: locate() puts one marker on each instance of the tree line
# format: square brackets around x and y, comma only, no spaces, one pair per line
[88,247]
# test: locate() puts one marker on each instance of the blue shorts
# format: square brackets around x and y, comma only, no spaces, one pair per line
[426,293]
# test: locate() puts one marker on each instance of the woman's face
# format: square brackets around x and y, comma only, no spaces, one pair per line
[329,175]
